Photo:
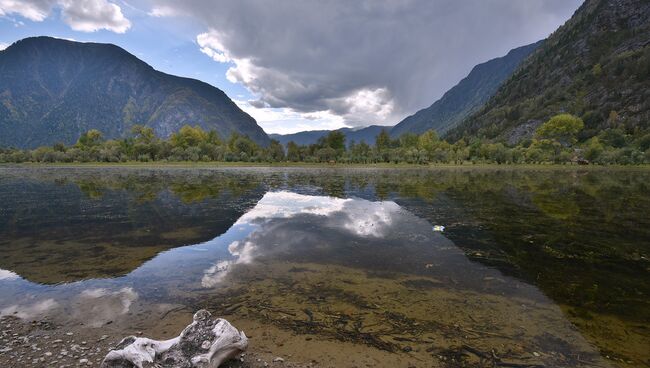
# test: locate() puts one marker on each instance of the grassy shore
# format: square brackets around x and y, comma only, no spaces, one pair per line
[190,164]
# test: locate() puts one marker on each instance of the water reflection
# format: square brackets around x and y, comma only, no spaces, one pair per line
[347,256]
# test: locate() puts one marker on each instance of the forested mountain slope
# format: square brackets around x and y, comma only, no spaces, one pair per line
[596,66]
[53,90]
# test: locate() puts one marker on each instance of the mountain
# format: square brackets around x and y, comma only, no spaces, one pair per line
[465,97]
[596,66]
[52,90]
[367,134]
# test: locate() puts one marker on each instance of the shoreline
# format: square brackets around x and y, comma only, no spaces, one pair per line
[306,165]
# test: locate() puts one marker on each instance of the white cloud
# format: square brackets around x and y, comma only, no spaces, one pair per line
[93,15]
[287,121]
[368,62]
[95,307]
[211,46]
[35,10]
[162,11]
[362,218]
[80,15]
[31,311]
[3,46]
[6,274]
[359,217]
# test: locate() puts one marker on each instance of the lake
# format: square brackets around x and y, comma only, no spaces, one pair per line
[333,267]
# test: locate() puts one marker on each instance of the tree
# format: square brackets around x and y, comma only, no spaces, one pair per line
[143,134]
[275,150]
[91,138]
[242,146]
[336,140]
[326,154]
[189,136]
[382,142]
[428,140]
[562,128]
[293,151]
[408,140]
[593,150]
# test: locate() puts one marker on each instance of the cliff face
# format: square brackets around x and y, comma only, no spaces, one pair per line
[52,90]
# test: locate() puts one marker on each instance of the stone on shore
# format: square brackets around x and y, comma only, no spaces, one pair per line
[206,342]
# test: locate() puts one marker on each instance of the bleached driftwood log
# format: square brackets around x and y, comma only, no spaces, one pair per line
[205,343]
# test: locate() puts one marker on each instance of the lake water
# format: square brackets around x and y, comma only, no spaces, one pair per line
[341,267]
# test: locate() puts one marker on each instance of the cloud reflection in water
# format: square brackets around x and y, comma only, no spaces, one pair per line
[360,218]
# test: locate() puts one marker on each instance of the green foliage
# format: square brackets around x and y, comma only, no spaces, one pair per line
[596,66]
[89,139]
[189,136]
[562,128]
[382,141]
[611,146]
[143,134]
[335,140]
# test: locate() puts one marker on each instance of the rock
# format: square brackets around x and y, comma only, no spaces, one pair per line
[189,349]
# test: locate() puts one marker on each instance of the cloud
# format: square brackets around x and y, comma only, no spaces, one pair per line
[96,307]
[3,46]
[6,274]
[31,311]
[35,10]
[163,11]
[80,15]
[286,120]
[263,227]
[368,62]
[93,15]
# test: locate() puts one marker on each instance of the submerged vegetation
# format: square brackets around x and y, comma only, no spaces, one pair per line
[556,141]
[579,236]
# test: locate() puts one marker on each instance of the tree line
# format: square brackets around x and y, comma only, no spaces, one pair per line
[555,141]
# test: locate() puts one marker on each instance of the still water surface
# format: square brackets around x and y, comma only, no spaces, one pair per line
[534,267]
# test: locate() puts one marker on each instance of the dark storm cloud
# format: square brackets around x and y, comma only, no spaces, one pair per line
[370,61]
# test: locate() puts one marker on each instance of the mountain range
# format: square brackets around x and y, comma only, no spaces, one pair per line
[444,114]
[52,90]
[367,134]
[596,66]
[465,97]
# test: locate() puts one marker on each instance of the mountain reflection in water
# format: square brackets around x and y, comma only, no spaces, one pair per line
[282,253]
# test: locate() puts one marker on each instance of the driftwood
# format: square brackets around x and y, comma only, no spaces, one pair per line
[205,343]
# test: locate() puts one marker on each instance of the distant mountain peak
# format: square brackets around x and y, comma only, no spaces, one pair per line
[52,90]
[357,134]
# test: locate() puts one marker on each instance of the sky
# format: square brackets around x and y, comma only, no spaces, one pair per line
[299,65]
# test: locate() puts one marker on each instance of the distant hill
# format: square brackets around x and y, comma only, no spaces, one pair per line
[596,66]
[465,97]
[52,90]
[367,134]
